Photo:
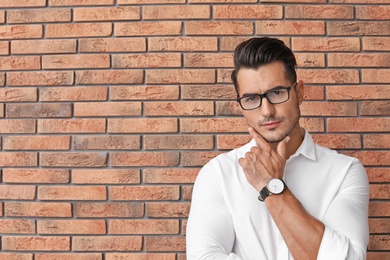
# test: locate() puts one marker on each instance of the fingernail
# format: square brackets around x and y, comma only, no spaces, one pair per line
[287,139]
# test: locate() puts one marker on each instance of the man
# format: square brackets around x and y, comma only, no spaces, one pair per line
[280,196]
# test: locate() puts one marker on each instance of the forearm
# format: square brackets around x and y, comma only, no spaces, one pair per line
[301,232]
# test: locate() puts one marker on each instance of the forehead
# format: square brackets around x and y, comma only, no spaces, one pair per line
[262,79]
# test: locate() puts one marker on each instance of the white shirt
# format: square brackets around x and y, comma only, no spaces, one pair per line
[227,221]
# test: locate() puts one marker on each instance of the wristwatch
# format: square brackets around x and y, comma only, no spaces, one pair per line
[274,186]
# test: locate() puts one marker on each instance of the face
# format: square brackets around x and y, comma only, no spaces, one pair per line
[272,121]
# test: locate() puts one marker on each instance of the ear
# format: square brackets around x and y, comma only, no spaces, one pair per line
[299,88]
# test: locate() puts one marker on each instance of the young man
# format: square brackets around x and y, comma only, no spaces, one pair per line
[280,196]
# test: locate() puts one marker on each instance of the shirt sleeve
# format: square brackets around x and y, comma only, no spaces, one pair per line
[210,233]
[346,220]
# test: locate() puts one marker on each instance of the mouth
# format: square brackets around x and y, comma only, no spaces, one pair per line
[271,125]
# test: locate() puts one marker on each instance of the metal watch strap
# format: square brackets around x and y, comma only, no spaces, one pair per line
[264,193]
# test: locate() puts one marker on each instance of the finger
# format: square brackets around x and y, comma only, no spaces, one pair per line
[258,138]
[282,147]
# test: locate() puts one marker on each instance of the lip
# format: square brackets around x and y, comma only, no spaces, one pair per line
[271,125]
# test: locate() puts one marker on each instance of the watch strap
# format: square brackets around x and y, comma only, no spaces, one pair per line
[264,193]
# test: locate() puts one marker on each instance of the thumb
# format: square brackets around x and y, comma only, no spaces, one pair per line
[282,147]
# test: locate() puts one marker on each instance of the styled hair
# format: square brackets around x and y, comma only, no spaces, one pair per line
[255,52]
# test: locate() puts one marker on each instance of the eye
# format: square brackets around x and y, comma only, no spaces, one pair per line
[250,99]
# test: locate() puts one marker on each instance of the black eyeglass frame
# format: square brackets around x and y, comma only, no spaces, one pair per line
[265,95]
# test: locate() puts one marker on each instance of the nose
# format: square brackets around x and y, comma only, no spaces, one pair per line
[267,109]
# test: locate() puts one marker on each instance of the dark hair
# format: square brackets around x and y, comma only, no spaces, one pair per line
[256,52]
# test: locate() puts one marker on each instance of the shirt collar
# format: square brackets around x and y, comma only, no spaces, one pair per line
[307,147]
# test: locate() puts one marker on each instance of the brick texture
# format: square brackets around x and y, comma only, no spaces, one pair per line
[110,108]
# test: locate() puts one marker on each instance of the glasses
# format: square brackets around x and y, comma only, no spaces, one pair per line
[274,96]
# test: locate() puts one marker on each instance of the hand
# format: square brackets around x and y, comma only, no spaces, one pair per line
[262,162]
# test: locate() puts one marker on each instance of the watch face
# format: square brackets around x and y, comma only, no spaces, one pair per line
[275,186]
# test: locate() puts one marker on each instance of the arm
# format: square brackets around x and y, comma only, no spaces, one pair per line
[210,233]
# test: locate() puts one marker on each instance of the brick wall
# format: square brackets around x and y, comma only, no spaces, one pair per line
[110,107]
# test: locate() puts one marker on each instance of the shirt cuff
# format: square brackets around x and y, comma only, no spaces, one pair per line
[333,246]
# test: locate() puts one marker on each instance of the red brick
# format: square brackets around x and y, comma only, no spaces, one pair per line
[358,60]
[2,78]
[377,12]
[148,28]
[40,78]
[112,45]
[224,75]
[35,175]
[319,12]
[43,46]
[107,142]
[198,158]
[72,193]
[180,76]
[104,243]
[379,191]
[71,125]
[4,48]
[328,76]
[310,60]
[228,142]
[170,175]
[36,143]
[34,243]
[182,108]
[358,124]
[13,126]
[22,3]
[290,27]
[18,159]
[313,124]
[73,93]
[358,28]
[144,92]
[377,141]
[175,142]
[295,1]
[379,225]
[357,92]
[378,174]
[38,209]
[376,76]
[372,158]
[325,44]
[375,108]
[218,28]
[379,209]
[147,256]
[144,192]
[73,159]
[142,125]
[228,108]
[145,226]
[221,1]
[328,108]
[165,243]
[109,76]
[17,226]
[186,192]
[78,30]
[338,141]
[379,242]
[20,32]
[107,14]
[20,63]
[72,256]
[38,110]
[71,227]
[106,176]
[377,255]
[100,210]
[80,61]
[80,2]
[163,12]
[107,109]
[167,210]
[376,43]
[145,159]
[209,125]
[15,256]
[17,192]
[183,44]
[18,94]
[39,15]
[208,60]
[247,12]
[208,92]
[161,60]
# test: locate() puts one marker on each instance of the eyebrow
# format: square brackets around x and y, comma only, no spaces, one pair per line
[270,90]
